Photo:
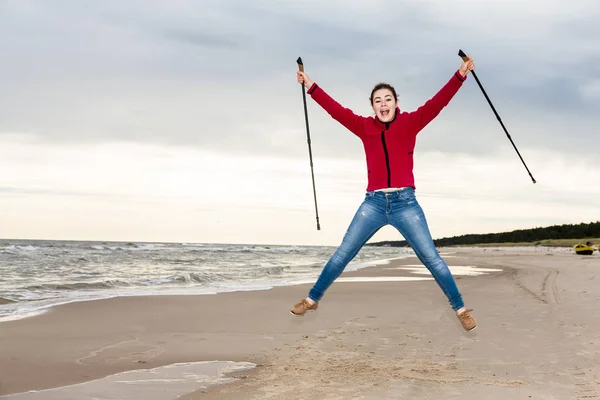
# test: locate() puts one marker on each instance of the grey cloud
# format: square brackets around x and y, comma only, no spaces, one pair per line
[221,76]
[203,39]
[32,191]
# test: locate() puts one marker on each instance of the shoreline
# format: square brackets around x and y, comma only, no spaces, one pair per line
[171,291]
[396,334]
[200,291]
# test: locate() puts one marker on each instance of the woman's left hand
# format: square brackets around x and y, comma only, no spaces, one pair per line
[467,66]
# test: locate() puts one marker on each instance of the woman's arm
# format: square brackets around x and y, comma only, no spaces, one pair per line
[343,115]
[427,112]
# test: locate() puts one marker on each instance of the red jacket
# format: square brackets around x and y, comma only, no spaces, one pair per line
[389,146]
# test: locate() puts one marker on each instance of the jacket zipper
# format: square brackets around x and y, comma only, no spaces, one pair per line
[387,157]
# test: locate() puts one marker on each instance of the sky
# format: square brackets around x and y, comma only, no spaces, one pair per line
[182,121]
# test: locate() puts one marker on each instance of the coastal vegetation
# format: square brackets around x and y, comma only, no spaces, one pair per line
[566,235]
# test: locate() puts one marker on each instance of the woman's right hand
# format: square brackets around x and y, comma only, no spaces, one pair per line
[303,78]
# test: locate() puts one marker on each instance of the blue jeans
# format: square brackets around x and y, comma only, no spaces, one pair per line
[401,210]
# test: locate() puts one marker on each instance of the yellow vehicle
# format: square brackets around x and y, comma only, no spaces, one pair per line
[584,249]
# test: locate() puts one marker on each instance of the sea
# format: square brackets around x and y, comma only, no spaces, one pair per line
[38,274]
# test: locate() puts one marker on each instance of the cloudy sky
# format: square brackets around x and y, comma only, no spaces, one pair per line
[183,121]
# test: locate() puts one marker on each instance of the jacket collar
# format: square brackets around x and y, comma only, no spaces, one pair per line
[387,124]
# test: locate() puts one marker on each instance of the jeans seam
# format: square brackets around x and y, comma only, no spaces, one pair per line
[438,279]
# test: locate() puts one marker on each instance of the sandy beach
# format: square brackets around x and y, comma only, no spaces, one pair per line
[538,336]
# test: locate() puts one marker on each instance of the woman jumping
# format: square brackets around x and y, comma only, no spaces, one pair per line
[389,140]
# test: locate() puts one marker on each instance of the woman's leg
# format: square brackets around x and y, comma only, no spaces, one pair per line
[407,216]
[368,219]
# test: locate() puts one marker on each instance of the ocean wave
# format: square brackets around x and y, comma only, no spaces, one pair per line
[38,273]
[107,284]
[196,277]
[270,270]
[16,248]
[4,300]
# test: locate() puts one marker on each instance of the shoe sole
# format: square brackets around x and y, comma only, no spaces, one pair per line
[300,315]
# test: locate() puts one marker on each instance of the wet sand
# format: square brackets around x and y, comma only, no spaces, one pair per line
[538,335]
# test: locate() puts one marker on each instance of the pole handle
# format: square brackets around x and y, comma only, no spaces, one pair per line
[463,55]
[300,64]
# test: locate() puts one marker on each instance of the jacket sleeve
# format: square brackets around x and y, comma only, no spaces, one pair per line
[419,118]
[343,115]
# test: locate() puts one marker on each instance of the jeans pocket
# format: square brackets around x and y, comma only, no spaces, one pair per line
[408,196]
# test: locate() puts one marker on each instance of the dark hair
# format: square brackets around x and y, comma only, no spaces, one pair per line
[383,85]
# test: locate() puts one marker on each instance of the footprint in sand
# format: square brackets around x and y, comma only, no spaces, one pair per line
[354,323]
[129,350]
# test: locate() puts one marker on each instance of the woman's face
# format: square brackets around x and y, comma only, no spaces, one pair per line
[384,105]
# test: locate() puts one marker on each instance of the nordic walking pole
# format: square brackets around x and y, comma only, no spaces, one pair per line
[465,58]
[301,67]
